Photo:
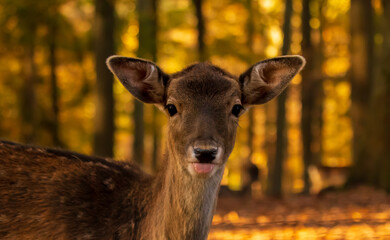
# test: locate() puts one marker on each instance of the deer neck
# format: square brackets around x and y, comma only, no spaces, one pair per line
[184,204]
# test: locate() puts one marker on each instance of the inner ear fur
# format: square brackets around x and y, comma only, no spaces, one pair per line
[142,78]
[267,79]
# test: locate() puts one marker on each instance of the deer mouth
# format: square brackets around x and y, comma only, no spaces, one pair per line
[203,168]
[204,159]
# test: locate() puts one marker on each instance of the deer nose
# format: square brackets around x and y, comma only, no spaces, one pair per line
[205,155]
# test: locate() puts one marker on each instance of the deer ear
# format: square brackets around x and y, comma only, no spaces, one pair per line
[141,78]
[267,79]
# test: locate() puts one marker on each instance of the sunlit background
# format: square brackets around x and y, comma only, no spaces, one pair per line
[48,82]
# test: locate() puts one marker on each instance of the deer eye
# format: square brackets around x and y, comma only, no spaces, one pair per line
[171,109]
[236,110]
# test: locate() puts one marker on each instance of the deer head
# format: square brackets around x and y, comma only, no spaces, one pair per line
[204,103]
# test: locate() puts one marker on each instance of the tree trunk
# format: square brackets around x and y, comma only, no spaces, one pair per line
[307,94]
[317,111]
[361,86]
[54,85]
[28,104]
[248,167]
[201,29]
[276,174]
[311,96]
[384,139]
[147,38]
[104,47]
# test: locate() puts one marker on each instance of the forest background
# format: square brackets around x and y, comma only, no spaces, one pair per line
[330,127]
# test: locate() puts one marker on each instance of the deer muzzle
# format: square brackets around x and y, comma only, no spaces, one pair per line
[205,159]
[205,155]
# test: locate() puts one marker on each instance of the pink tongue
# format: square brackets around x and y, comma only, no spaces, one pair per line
[203,167]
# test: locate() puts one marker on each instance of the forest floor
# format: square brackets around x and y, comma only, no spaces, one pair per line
[357,214]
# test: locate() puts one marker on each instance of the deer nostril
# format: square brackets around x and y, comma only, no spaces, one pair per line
[205,155]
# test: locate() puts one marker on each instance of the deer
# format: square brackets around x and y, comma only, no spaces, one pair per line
[49,193]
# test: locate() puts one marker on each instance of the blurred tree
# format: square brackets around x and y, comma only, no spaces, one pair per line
[248,165]
[201,30]
[382,143]
[318,88]
[276,171]
[311,94]
[29,38]
[32,46]
[249,44]
[307,94]
[361,18]
[22,14]
[28,97]
[53,30]
[147,48]
[104,47]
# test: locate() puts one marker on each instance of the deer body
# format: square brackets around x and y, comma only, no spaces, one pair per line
[55,194]
[64,195]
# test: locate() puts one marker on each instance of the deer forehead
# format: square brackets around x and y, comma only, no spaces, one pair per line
[203,84]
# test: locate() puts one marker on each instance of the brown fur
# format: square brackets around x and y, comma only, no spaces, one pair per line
[56,194]
[53,194]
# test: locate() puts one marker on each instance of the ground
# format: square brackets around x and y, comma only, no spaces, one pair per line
[361,213]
